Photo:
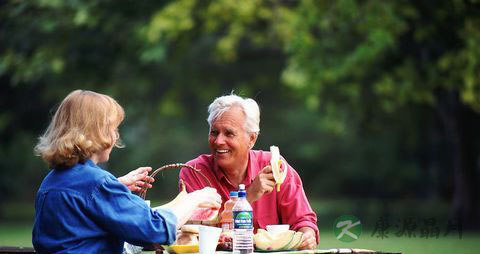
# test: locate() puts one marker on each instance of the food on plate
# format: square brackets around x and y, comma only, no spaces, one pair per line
[188,235]
[205,214]
[279,167]
[287,240]
[225,242]
[187,228]
[187,240]
[295,242]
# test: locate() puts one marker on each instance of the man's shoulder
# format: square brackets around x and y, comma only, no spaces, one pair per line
[203,176]
[260,156]
[202,162]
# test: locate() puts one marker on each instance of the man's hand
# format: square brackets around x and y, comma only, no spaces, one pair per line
[309,239]
[264,183]
[137,179]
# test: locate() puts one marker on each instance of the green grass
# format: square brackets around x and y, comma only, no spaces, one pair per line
[16,226]
[16,234]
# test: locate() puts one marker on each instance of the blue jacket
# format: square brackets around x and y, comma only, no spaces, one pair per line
[85,209]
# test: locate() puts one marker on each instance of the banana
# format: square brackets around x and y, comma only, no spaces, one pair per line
[279,173]
[181,196]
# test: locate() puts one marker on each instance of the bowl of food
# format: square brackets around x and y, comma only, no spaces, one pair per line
[187,241]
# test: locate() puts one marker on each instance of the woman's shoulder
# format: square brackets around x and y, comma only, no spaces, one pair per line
[92,171]
[79,180]
[88,175]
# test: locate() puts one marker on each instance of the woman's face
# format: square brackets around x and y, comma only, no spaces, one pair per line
[104,156]
[228,140]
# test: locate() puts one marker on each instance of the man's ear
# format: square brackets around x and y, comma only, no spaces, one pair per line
[252,139]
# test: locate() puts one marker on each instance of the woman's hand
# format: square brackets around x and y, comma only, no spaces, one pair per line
[264,183]
[309,239]
[137,179]
[206,198]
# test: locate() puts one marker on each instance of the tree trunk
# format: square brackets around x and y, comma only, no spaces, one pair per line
[460,124]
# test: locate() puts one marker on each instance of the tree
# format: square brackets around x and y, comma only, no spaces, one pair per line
[362,59]
[382,56]
[49,48]
[372,74]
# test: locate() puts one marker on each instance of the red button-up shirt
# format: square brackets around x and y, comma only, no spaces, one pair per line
[289,206]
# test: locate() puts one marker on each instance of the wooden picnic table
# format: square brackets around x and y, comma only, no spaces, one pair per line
[14,249]
[317,251]
[30,250]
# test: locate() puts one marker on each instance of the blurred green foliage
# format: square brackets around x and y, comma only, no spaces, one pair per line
[375,99]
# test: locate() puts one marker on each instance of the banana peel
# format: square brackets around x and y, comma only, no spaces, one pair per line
[279,167]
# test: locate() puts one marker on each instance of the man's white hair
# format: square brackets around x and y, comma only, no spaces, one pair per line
[249,106]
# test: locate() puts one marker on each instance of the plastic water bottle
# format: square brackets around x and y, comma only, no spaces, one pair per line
[227,215]
[242,224]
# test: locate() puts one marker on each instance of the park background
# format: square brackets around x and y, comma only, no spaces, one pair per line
[376,104]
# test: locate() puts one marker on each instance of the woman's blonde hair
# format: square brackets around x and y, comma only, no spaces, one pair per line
[81,126]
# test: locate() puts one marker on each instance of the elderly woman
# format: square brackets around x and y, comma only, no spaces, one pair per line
[234,127]
[81,208]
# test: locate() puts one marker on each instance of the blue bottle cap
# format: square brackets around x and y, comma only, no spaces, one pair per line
[233,194]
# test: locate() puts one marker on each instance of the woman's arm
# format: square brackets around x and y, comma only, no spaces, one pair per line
[204,198]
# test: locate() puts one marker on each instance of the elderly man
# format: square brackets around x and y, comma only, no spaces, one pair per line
[234,127]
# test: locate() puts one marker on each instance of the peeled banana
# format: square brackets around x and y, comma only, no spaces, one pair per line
[279,172]
[182,195]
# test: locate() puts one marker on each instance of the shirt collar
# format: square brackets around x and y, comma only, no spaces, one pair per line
[249,177]
[91,163]
[218,172]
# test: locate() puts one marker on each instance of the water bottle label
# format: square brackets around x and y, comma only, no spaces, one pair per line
[242,220]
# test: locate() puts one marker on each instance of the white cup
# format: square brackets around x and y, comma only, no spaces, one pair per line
[208,239]
[275,229]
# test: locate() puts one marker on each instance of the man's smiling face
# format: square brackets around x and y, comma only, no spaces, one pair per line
[228,140]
